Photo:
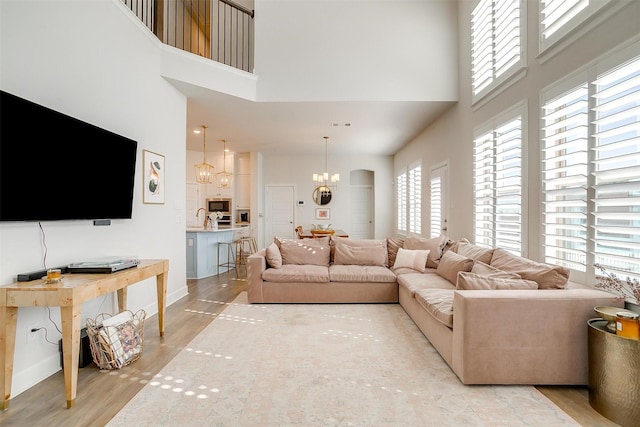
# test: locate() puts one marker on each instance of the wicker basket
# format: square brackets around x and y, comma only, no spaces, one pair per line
[116,344]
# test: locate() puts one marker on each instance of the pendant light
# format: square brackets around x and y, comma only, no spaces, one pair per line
[204,171]
[324,179]
[224,179]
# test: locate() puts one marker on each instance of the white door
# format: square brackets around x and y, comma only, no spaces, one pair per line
[192,204]
[439,196]
[279,212]
[361,212]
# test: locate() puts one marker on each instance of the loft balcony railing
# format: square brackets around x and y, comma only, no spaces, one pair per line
[220,30]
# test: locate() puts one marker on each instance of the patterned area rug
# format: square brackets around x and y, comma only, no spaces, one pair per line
[323,365]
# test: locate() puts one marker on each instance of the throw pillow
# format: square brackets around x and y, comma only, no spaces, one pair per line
[274,258]
[473,281]
[434,245]
[392,249]
[476,253]
[451,263]
[414,259]
[547,276]
[361,243]
[482,269]
[360,255]
[304,251]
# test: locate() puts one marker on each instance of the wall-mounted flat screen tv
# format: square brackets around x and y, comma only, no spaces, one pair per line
[55,167]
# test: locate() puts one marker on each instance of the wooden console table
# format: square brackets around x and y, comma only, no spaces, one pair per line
[69,294]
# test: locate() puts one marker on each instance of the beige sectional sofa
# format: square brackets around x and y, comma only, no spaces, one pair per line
[515,321]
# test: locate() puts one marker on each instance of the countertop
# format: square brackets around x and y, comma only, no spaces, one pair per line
[220,228]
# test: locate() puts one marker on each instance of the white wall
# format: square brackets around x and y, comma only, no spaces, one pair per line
[353,50]
[450,137]
[297,170]
[92,61]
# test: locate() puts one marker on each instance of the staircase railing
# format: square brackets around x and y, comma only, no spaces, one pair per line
[220,30]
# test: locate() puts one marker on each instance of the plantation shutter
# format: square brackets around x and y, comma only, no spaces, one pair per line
[401,188]
[508,186]
[436,206]
[564,178]
[415,199]
[556,13]
[483,188]
[616,169]
[495,41]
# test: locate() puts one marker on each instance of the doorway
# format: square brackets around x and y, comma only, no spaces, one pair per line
[279,212]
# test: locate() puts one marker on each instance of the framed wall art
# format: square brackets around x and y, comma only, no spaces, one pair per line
[323,213]
[153,177]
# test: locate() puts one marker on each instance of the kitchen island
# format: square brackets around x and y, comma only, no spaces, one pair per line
[202,249]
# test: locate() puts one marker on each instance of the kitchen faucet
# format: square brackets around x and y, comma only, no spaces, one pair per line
[204,223]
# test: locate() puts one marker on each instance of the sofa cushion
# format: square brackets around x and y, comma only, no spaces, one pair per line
[428,280]
[473,281]
[274,258]
[476,253]
[438,303]
[547,276]
[451,263]
[393,245]
[345,254]
[305,252]
[360,273]
[415,259]
[297,273]
[434,245]
[359,243]
[483,269]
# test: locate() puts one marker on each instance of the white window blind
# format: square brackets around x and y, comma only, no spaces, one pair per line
[497,182]
[401,192]
[616,169]
[591,168]
[557,18]
[436,206]
[415,199]
[496,43]
[564,178]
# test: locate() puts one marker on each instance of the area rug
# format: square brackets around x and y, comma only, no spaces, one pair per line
[323,365]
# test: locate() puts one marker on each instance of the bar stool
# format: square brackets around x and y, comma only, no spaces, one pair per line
[231,261]
[245,246]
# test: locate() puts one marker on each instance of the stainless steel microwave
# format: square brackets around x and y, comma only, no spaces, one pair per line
[219,205]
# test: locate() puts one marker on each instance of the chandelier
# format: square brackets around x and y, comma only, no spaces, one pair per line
[224,179]
[204,171]
[324,179]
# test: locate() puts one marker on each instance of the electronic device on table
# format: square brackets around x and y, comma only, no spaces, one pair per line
[104,265]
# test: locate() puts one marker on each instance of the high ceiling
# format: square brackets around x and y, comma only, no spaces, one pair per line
[379,128]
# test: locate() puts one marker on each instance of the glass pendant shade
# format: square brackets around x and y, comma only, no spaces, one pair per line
[204,171]
[224,179]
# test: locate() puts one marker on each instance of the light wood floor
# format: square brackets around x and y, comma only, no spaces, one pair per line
[101,394]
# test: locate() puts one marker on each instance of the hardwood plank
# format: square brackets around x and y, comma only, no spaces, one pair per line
[101,394]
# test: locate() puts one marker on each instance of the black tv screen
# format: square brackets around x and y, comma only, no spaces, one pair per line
[55,167]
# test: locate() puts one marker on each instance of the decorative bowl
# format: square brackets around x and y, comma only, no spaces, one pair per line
[609,314]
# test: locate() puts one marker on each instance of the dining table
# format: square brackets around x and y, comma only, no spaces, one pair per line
[306,234]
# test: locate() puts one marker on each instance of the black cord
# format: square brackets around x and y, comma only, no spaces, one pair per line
[44,244]
[51,320]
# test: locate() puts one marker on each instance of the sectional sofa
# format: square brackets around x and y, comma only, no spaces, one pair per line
[516,321]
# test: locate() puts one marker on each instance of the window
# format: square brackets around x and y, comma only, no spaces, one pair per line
[497,184]
[496,43]
[409,199]
[591,169]
[559,17]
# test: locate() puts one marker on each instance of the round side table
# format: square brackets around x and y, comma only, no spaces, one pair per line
[614,374]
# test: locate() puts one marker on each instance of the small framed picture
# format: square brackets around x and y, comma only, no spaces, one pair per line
[152,177]
[323,213]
